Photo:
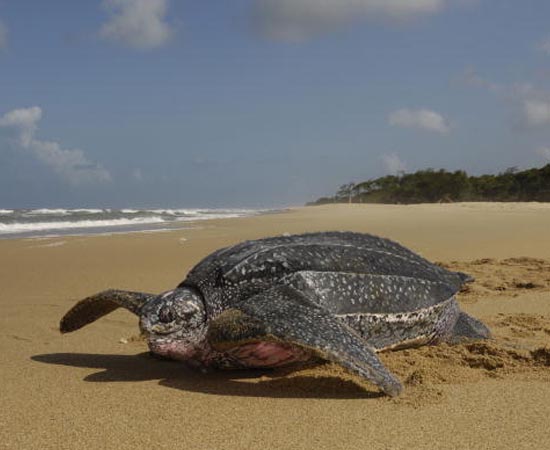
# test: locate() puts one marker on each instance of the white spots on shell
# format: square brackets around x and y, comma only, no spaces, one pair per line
[369,274]
[342,292]
[403,317]
[401,330]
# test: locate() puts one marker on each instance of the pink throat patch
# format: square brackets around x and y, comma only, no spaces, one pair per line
[173,350]
[252,355]
[268,354]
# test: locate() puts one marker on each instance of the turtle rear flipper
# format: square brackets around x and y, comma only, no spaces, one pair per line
[468,327]
[284,315]
[92,308]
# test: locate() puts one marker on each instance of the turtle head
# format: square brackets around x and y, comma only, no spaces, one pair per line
[175,324]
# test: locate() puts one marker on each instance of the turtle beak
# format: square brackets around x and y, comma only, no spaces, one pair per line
[160,329]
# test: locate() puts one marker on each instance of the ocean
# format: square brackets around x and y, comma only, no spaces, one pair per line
[21,223]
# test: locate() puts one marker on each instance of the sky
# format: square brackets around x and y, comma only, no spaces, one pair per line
[262,103]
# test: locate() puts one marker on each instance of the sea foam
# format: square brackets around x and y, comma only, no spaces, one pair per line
[56,221]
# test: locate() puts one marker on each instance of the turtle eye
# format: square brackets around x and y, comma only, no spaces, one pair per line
[166,315]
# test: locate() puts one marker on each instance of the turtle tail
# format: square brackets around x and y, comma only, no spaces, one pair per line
[465,278]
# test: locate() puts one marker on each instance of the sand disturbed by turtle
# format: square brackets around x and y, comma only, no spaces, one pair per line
[334,296]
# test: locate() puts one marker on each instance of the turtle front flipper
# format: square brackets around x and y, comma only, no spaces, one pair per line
[246,344]
[92,308]
[287,319]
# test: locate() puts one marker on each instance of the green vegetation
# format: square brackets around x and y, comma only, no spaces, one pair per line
[429,186]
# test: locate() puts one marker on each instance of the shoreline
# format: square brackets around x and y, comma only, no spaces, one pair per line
[23,223]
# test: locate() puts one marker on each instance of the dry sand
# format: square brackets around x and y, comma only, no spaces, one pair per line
[98,388]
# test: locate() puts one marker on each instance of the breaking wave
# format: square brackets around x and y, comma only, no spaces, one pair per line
[44,221]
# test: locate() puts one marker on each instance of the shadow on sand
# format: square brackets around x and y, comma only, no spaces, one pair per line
[249,383]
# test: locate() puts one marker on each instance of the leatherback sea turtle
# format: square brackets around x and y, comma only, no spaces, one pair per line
[336,296]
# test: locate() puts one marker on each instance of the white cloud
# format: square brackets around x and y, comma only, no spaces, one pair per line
[72,165]
[139,24]
[3,35]
[393,165]
[472,78]
[544,45]
[532,104]
[137,174]
[514,91]
[536,112]
[297,20]
[22,122]
[545,153]
[423,119]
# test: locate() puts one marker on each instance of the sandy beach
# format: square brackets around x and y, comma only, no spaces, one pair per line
[99,388]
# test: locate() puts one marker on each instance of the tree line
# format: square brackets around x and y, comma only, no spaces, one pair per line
[431,186]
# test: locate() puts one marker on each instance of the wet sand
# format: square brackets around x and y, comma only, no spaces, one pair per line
[98,388]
